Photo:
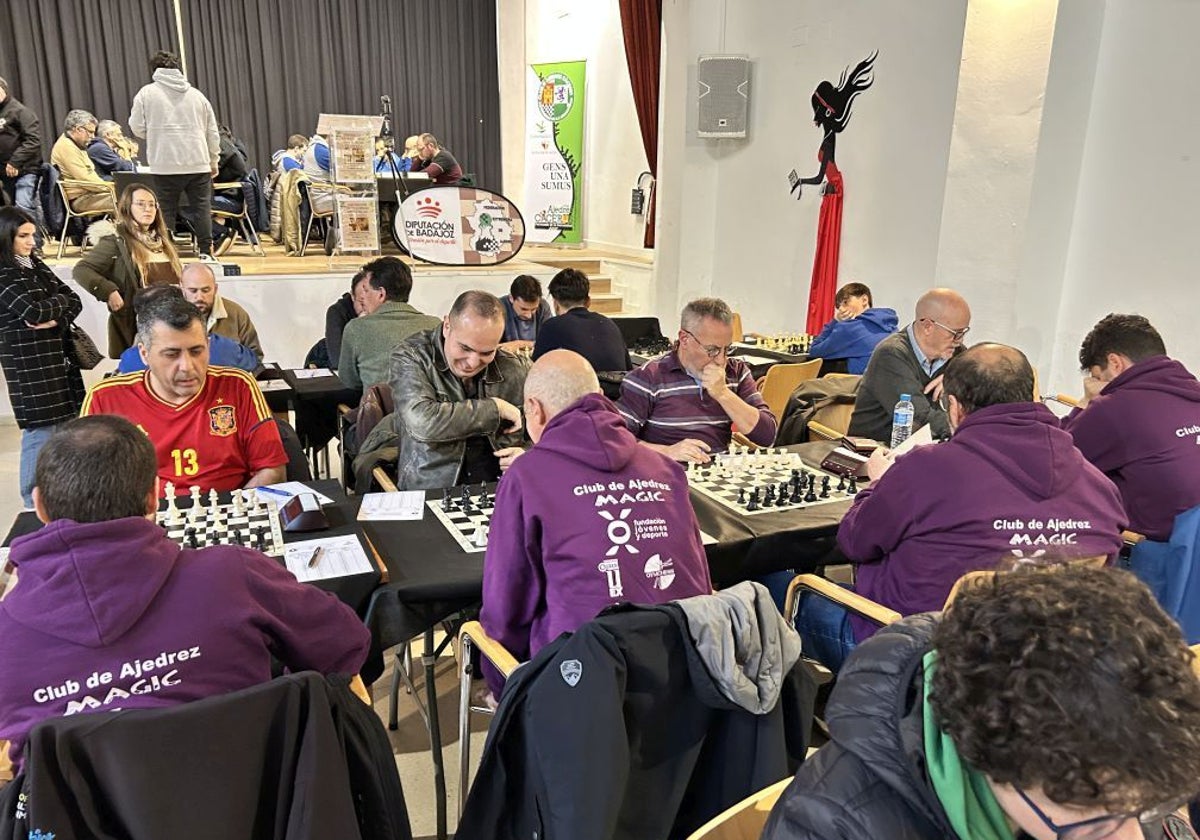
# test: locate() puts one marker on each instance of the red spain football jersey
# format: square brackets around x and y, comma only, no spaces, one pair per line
[216,440]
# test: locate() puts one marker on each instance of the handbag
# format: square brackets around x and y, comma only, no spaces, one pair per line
[81,349]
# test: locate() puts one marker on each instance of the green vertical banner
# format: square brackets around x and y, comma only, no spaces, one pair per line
[554,152]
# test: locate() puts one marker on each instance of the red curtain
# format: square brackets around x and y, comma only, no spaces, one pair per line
[641,22]
[825,261]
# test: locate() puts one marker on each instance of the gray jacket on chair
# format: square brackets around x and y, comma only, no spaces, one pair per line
[434,416]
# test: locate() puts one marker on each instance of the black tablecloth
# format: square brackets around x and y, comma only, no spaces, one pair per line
[315,402]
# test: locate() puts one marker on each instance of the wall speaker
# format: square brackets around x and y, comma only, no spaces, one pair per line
[724,95]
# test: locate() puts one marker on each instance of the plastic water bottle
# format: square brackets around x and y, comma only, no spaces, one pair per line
[902,420]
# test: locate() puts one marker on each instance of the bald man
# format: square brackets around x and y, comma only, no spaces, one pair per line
[1009,483]
[910,362]
[221,315]
[585,519]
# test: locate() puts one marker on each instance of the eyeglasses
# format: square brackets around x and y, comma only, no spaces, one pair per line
[1100,827]
[959,335]
[711,349]
[145,205]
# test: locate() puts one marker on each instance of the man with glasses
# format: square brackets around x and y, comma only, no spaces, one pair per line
[686,403]
[910,362]
[1053,703]
[71,157]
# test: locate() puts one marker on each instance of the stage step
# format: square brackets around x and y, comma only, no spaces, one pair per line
[588,265]
[607,304]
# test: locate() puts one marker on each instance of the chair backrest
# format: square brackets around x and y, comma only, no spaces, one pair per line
[1196,659]
[782,379]
[634,330]
[738,334]
[745,820]
[297,465]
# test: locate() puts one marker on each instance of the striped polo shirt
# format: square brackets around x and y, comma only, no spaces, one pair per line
[662,403]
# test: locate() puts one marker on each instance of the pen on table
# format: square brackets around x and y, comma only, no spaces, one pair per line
[274,491]
[316,555]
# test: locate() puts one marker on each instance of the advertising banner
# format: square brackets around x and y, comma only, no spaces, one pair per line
[554,151]
[459,226]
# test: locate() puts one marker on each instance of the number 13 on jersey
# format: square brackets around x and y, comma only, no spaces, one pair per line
[185,461]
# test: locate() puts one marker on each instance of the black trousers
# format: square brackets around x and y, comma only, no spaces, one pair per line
[198,189]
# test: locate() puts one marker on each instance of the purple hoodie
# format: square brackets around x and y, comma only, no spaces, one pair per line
[114,615]
[1009,482]
[1143,432]
[585,519]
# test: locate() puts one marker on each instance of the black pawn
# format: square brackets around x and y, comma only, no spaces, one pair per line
[753,503]
[811,495]
[769,497]
[797,496]
[742,496]
[841,484]
[783,495]
[192,542]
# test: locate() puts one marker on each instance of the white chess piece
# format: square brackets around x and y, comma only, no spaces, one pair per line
[480,537]
[214,500]
[238,505]
[172,511]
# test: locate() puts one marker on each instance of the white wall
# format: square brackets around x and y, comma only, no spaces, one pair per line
[536,31]
[740,234]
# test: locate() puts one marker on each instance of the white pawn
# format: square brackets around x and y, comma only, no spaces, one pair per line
[480,537]
[213,500]
[238,504]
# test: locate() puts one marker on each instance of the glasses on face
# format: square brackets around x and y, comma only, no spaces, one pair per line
[1097,828]
[958,335]
[711,349]
[145,205]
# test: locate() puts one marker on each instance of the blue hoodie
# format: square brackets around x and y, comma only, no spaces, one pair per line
[854,340]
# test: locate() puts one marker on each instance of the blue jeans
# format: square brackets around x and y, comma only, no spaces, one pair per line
[23,189]
[32,441]
[825,631]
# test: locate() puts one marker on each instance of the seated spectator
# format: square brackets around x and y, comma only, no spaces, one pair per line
[412,148]
[389,162]
[437,162]
[1047,704]
[292,157]
[109,149]
[387,319]
[210,426]
[538,581]
[685,403]
[910,362]
[575,327]
[105,592]
[525,310]
[1008,482]
[70,155]
[221,351]
[1139,422]
[221,315]
[856,328]
[340,313]
[457,395]
[316,163]
[232,167]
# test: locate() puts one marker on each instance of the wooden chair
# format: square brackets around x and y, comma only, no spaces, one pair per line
[472,636]
[745,820]
[87,186]
[738,335]
[782,379]
[241,219]
[1195,660]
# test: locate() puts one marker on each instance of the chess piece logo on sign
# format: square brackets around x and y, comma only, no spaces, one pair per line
[661,572]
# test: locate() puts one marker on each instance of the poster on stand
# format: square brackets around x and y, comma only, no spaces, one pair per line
[358,224]
[554,151]
[353,155]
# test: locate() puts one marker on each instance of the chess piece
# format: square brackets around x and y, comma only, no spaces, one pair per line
[447,502]
[753,503]
[783,495]
[483,500]
[797,494]
[190,535]
[479,539]
[465,500]
[213,499]
[824,487]
[172,511]
[260,541]
[238,503]
[841,484]
[811,495]
[853,488]
[742,496]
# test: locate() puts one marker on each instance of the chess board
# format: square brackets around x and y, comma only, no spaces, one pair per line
[254,526]
[731,479]
[462,524]
[793,343]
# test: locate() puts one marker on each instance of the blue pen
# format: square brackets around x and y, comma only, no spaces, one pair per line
[274,491]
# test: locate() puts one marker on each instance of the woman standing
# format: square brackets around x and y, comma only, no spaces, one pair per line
[36,310]
[139,254]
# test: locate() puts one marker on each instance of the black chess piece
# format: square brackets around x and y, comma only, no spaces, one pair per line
[824,487]
[260,540]
[769,496]
[753,503]
[797,496]
[811,495]
[742,496]
[782,500]
[464,500]
[484,501]
[447,502]
[797,477]
[841,484]
[192,542]
[853,488]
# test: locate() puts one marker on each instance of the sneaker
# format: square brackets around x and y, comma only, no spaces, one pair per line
[208,258]
[222,245]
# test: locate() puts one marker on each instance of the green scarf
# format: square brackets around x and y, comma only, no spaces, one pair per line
[970,805]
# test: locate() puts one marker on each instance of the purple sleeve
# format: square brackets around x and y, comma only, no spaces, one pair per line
[308,629]
[763,432]
[1100,441]
[635,402]
[513,580]
[875,524]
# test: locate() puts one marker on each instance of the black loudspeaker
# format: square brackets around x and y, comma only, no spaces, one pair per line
[724,91]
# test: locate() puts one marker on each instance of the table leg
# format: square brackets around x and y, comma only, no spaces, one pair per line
[429,660]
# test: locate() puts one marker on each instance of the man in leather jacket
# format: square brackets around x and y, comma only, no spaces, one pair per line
[457,396]
[1056,703]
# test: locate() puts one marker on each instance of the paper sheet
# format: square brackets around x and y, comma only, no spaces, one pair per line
[285,491]
[272,385]
[312,373]
[921,437]
[340,557]
[406,504]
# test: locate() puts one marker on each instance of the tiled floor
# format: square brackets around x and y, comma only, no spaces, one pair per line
[410,742]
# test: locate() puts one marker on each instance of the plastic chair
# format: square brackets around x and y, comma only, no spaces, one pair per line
[89,186]
[782,379]
[745,820]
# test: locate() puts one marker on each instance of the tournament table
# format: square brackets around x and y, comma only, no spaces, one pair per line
[315,401]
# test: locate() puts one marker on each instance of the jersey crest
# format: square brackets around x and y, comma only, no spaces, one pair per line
[222,421]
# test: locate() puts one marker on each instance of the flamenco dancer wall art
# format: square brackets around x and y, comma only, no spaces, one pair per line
[831,113]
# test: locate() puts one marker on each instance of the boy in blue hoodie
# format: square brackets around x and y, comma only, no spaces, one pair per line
[856,328]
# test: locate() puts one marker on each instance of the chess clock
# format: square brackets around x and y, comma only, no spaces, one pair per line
[303,513]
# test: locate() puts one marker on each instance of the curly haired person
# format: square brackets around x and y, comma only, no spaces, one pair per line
[1057,703]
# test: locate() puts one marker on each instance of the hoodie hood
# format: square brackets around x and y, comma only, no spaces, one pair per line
[591,432]
[881,317]
[76,587]
[1159,374]
[1024,442]
[742,643]
[172,80]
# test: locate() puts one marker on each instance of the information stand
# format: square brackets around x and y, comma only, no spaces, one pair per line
[352,168]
